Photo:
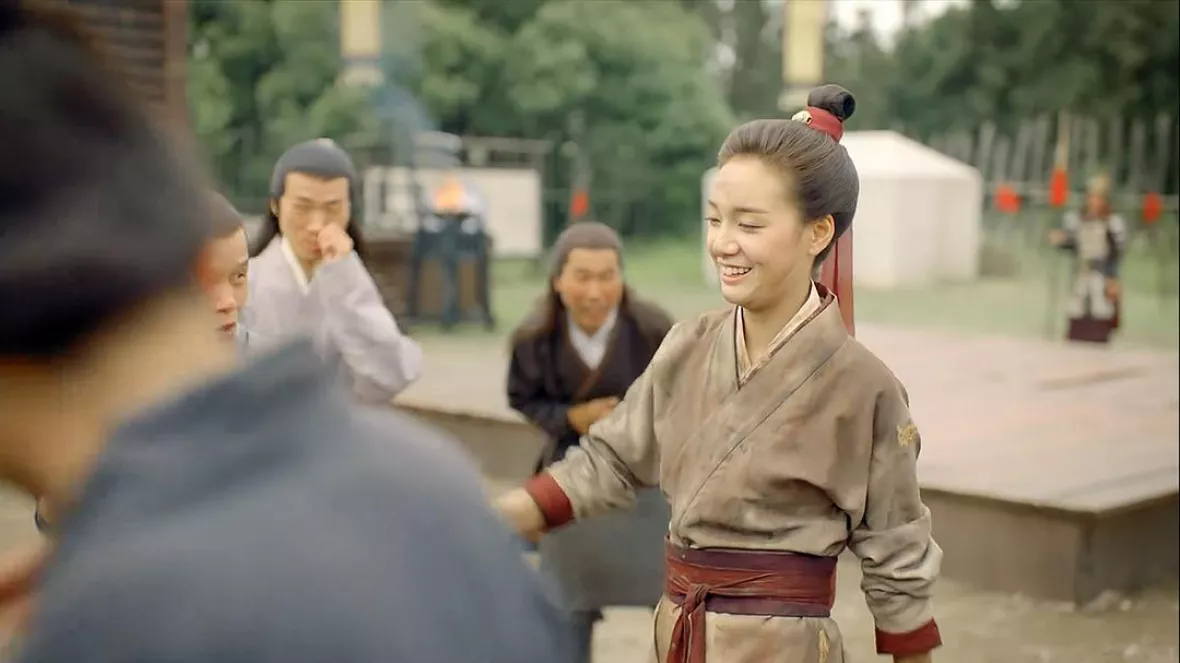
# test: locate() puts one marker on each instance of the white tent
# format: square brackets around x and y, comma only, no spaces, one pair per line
[918,218]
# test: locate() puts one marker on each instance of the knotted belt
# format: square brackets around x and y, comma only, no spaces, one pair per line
[741,582]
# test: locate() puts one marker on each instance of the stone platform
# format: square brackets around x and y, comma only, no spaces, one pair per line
[1052,470]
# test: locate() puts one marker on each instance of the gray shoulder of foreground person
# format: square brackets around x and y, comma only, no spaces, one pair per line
[409,558]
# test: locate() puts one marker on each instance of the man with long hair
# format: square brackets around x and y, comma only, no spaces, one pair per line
[308,276]
[573,358]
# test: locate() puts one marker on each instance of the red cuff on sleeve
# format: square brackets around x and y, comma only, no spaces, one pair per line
[919,641]
[551,499]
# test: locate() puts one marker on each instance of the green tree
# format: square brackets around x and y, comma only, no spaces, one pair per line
[262,76]
[751,33]
[459,68]
[649,117]
[1008,62]
[626,81]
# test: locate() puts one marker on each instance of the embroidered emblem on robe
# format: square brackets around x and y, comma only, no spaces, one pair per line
[907,434]
[824,646]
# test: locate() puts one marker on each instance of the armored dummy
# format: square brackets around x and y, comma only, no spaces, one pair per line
[1097,237]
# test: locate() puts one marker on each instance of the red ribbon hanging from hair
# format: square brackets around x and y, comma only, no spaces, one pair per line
[821,120]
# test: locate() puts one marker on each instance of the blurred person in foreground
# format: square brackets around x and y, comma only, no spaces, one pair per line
[573,358]
[201,516]
[221,271]
[308,276]
[779,440]
[1097,237]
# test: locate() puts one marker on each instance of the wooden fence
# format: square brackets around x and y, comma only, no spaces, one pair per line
[1140,156]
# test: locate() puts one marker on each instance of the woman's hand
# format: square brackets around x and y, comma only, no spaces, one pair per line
[1057,237]
[522,513]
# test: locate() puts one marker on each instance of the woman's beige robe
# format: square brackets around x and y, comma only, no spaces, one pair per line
[814,453]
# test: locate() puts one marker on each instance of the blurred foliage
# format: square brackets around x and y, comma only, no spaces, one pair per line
[1009,61]
[621,81]
[262,77]
[637,86]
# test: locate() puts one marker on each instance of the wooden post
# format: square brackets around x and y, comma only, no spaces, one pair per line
[983,156]
[1018,173]
[1093,147]
[1077,135]
[1114,151]
[1058,197]
[1059,180]
[1018,170]
[1136,157]
[1163,153]
[804,31]
[1157,182]
[1040,164]
[999,161]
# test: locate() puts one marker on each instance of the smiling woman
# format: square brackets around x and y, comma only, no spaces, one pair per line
[785,192]
[778,439]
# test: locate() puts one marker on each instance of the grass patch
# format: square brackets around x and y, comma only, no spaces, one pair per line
[1026,304]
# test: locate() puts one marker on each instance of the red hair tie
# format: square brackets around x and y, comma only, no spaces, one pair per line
[821,120]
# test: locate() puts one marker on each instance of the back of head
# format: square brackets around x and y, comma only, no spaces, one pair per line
[225,217]
[97,213]
[807,150]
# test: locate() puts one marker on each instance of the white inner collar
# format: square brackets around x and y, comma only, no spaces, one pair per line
[296,267]
[592,347]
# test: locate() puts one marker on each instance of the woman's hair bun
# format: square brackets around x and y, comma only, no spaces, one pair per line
[834,99]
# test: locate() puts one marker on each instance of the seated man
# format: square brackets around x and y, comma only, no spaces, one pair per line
[207,511]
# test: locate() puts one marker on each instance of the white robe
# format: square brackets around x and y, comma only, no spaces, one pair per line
[343,313]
